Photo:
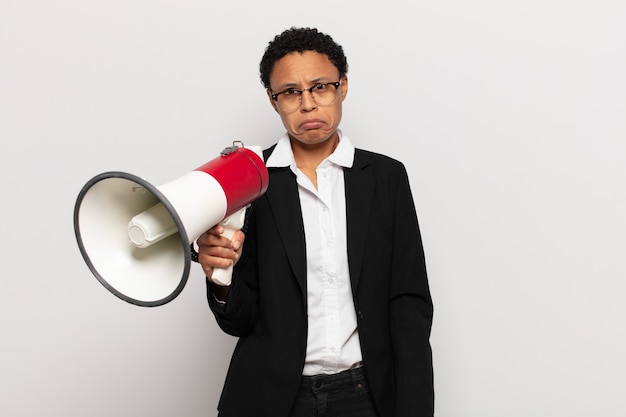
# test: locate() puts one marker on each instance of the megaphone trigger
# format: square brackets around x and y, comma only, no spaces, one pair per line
[232,223]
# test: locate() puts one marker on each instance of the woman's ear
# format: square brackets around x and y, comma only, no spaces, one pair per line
[344,87]
[272,101]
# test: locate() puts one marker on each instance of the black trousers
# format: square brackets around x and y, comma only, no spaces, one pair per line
[345,394]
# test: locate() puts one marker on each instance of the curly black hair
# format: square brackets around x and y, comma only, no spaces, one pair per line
[300,40]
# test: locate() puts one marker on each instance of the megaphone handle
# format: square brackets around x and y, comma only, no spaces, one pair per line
[232,223]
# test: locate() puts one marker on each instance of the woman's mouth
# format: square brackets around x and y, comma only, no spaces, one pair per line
[311,124]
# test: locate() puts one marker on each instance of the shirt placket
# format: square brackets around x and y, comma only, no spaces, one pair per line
[331,296]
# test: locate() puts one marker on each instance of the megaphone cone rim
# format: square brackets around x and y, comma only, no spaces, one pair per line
[175,217]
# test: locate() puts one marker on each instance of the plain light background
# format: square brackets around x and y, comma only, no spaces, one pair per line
[509,115]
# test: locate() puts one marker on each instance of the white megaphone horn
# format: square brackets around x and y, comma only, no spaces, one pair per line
[137,239]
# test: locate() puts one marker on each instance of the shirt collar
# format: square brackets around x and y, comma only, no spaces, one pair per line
[282,156]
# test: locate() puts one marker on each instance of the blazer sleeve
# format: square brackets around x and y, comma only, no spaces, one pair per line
[410,310]
[238,315]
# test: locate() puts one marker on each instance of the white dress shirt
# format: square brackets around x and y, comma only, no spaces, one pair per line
[333,341]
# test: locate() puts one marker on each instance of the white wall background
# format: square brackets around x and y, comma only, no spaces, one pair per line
[510,117]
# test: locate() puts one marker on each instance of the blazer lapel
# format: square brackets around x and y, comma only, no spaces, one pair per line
[359,194]
[283,198]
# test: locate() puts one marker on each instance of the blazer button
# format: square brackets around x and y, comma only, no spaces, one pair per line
[360,315]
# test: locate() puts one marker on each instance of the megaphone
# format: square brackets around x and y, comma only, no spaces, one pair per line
[137,239]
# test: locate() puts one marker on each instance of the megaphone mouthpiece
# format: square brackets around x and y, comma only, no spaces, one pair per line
[151,226]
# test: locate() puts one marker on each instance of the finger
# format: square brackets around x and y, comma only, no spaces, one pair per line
[208,270]
[217,251]
[237,240]
[209,262]
[209,239]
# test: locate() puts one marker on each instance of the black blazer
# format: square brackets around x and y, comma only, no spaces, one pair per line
[267,308]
